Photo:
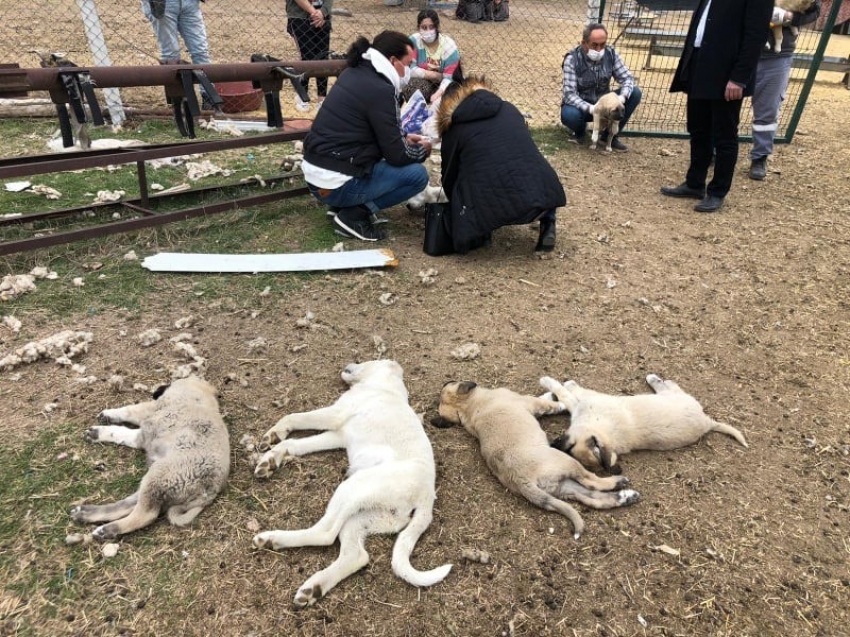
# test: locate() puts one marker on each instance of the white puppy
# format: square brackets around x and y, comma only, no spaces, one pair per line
[607,113]
[431,194]
[390,484]
[795,6]
[188,453]
[602,426]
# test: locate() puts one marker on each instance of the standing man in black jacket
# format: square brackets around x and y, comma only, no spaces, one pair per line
[717,70]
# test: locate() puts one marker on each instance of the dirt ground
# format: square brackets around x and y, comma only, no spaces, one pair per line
[747,309]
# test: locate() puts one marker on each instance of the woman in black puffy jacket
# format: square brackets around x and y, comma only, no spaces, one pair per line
[493,173]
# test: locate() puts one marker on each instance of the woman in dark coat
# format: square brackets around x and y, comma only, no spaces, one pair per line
[493,173]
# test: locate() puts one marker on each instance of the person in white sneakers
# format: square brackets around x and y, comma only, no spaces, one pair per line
[309,24]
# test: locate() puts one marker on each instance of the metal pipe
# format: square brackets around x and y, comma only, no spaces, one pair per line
[13,80]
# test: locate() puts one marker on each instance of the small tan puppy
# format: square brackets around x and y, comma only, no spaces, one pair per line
[188,453]
[516,450]
[607,113]
[795,6]
[602,427]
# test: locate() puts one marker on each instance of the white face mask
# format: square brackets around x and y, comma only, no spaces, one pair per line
[595,56]
[428,36]
[402,81]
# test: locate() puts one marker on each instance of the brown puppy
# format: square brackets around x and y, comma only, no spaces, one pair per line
[607,113]
[517,452]
[602,427]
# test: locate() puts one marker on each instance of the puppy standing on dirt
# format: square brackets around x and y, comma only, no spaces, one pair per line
[607,113]
[602,427]
[390,484]
[188,454]
[516,450]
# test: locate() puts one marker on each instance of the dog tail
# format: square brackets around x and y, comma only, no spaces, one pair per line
[404,544]
[729,430]
[540,498]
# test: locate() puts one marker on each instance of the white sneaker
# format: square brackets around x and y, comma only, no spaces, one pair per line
[301,105]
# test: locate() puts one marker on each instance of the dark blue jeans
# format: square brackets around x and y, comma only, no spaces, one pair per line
[386,187]
[576,120]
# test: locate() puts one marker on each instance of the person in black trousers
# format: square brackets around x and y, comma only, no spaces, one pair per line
[717,70]
[309,24]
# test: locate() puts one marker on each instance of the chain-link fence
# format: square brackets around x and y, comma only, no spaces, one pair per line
[522,55]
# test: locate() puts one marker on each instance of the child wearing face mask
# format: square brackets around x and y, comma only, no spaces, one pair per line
[437,57]
[588,71]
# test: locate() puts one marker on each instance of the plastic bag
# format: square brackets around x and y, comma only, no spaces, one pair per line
[414,113]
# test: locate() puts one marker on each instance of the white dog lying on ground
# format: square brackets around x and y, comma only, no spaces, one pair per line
[602,427]
[390,484]
[188,453]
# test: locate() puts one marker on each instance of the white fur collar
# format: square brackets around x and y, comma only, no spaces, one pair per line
[383,66]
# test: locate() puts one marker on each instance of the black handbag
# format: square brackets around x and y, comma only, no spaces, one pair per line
[438,230]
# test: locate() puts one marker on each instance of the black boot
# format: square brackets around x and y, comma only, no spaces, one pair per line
[546,238]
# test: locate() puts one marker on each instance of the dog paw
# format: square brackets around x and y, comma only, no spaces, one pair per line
[623,482]
[92,434]
[262,540]
[307,596]
[652,379]
[105,532]
[550,384]
[627,496]
[108,417]
[266,466]
[269,440]
[78,514]
[548,396]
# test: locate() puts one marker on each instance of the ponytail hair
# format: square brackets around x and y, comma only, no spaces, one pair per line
[355,52]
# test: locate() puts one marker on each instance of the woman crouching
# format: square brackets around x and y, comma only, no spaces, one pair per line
[493,173]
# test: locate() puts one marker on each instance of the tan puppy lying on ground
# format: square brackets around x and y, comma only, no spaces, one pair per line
[517,452]
[188,454]
[390,484]
[607,113]
[602,427]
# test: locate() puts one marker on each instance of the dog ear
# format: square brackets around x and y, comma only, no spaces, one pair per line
[562,443]
[159,391]
[441,423]
[465,387]
[602,454]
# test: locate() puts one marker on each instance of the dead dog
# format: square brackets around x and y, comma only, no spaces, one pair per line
[607,113]
[603,427]
[516,450]
[389,487]
[188,453]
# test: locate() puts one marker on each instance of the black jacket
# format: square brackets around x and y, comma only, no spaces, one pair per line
[735,34]
[493,173]
[358,125]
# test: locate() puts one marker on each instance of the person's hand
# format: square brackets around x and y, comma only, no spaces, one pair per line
[433,76]
[733,92]
[622,99]
[317,19]
[419,140]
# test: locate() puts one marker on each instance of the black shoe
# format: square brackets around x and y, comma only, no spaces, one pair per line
[355,221]
[709,204]
[546,238]
[619,146]
[331,212]
[758,169]
[683,190]
[578,138]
